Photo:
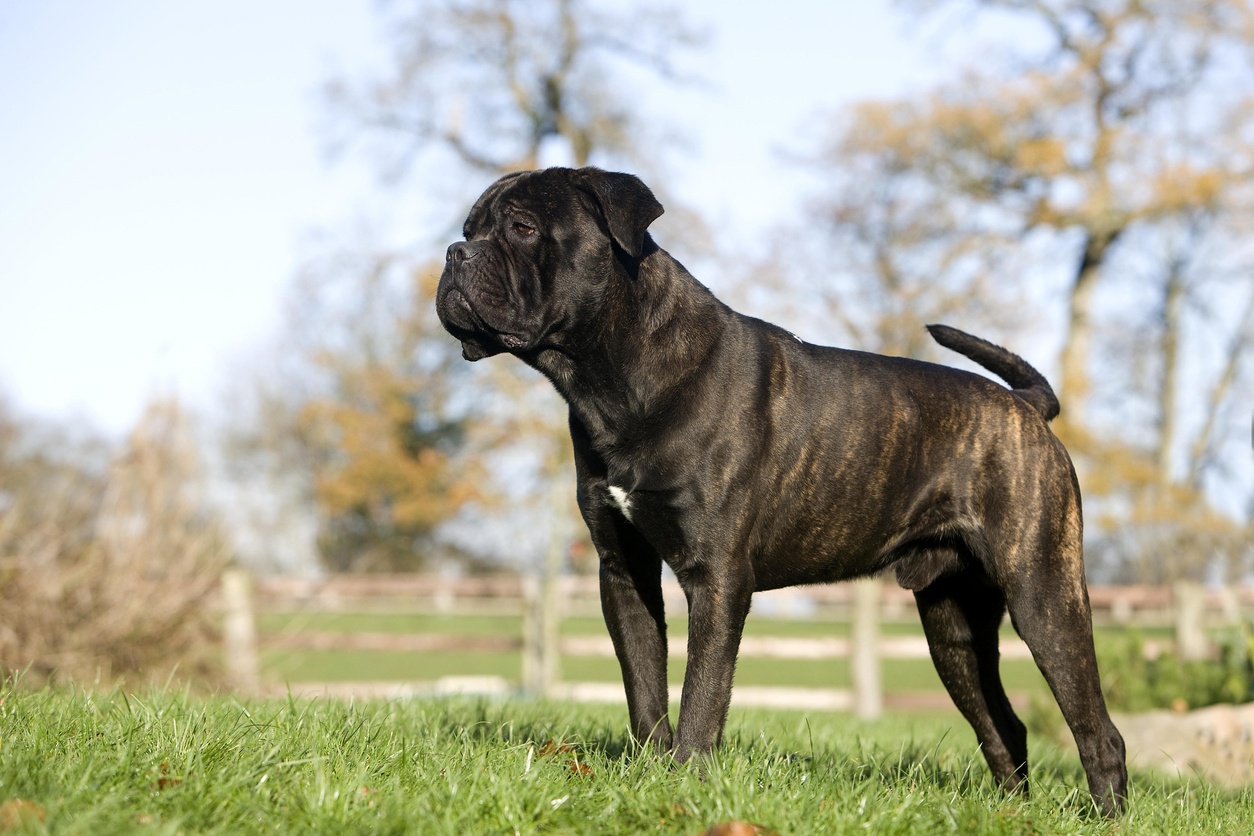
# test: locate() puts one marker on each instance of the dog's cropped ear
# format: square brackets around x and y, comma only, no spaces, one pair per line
[626,204]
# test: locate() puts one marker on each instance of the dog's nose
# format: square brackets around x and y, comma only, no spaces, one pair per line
[459,252]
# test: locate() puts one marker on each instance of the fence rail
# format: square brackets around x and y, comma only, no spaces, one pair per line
[1140,604]
[1189,608]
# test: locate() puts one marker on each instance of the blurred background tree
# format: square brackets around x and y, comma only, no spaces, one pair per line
[373,403]
[486,83]
[1082,189]
[1095,159]
[109,554]
[1086,186]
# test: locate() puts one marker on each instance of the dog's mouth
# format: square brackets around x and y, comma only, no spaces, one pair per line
[478,337]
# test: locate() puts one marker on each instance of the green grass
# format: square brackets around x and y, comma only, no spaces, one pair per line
[371,665]
[368,665]
[172,763]
[338,622]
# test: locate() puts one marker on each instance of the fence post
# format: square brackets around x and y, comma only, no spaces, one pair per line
[550,619]
[532,649]
[1190,603]
[868,695]
[540,634]
[1230,606]
[543,610]
[240,632]
[1121,610]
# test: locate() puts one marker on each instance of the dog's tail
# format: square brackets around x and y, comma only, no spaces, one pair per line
[1026,381]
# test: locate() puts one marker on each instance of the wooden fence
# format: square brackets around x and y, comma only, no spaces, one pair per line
[1188,609]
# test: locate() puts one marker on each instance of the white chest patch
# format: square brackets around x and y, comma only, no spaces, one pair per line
[620,500]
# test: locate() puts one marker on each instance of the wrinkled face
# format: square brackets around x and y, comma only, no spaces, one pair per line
[540,247]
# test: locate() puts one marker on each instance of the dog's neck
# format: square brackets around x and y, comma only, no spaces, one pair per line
[661,325]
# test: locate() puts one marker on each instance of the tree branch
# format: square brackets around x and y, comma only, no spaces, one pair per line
[1242,338]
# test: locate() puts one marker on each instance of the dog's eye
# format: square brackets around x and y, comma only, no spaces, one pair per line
[525,230]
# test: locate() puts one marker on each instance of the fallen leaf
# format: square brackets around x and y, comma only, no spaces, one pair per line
[164,781]
[18,812]
[738,828]
[674,811]
[551,748]
[579,768]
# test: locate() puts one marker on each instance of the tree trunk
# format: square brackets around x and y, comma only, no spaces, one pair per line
[1169,349]
[1074,384]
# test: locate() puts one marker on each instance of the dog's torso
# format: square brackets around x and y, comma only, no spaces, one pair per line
[790,455]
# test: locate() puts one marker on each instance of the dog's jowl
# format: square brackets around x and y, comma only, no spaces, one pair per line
[746,459]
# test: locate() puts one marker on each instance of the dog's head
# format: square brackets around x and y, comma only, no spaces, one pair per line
[540,248]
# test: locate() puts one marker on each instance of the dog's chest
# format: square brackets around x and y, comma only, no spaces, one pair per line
[620,500]
[653,513]
[646,510]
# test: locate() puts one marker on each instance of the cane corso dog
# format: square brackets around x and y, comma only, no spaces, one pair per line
[747,459]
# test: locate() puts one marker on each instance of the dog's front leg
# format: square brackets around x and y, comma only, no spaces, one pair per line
[631,600]
[718,603]
[631,595]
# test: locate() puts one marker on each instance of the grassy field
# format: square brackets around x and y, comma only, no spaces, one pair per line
[325,666]
[172,763]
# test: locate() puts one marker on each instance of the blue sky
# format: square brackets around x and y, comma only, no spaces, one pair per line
[161,171]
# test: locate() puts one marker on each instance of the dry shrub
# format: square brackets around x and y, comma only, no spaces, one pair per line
[108,563]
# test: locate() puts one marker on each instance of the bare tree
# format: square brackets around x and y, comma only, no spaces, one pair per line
[901,248]
[489,81]
[378,410]
[1117,125]
[108,559]
[1121,121]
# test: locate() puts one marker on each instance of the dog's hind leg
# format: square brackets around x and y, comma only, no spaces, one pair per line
[961,615]
[1049,605]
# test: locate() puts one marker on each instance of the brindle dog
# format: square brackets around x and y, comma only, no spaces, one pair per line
[747,459]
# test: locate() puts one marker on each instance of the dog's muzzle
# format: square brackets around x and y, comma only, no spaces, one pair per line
[472,324]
